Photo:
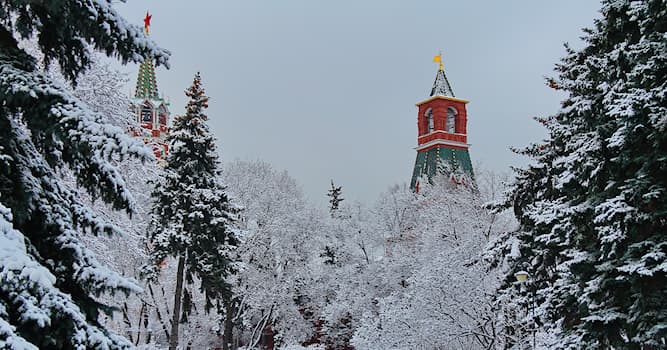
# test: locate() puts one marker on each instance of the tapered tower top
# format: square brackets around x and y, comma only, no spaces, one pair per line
[146,83]
[146,88]
[441,85]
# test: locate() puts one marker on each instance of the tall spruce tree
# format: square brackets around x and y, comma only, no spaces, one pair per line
[335,197]
[194,220]
[49,282]
[593,207]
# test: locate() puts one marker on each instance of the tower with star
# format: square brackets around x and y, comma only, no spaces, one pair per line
[152,111]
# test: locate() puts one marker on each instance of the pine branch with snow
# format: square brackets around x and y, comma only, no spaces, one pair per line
[52,285]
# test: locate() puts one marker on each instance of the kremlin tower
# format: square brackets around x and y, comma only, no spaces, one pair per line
[152,112]
[442,147]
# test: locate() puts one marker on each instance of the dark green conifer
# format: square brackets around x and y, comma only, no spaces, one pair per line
[50,283]
[335,197]
[593,206]
[194,219]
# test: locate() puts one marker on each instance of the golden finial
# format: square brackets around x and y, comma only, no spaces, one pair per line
[438,58]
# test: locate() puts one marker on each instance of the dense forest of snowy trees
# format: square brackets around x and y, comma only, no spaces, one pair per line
[102,248]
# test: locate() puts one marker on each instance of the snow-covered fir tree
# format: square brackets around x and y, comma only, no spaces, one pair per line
[592,207]
[51,284]
[335,195]
[194,219]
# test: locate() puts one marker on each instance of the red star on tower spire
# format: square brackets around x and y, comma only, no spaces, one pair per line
[147,21]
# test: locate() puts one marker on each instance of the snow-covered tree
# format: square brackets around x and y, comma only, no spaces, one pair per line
[279,254]
[141,316]
[405,248]
[592,207]
[335,195]
[351,286]
[194,219]
[440,291]
[51,284]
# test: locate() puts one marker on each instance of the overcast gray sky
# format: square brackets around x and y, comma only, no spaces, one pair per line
[327,90]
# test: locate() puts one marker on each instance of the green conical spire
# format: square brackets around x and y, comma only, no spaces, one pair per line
[146,83]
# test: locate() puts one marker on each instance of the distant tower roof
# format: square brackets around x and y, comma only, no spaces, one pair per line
[441,85]
[146,83]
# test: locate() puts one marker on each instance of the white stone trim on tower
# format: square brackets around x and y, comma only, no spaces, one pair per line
[442,142]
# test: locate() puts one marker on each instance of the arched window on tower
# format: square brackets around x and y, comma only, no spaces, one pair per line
[162,115]
[429,121]
[147,112]
[451,119]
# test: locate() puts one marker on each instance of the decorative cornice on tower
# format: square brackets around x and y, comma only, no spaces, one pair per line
[442,98]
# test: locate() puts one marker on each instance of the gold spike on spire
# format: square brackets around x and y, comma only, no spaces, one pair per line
[438,58]
[441,86]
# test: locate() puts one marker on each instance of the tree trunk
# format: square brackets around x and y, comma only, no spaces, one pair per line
[128,323]
[157,311]
[229,317]
[141,318]
[175,317]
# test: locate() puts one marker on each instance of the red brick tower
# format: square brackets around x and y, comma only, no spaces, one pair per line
[442,137]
